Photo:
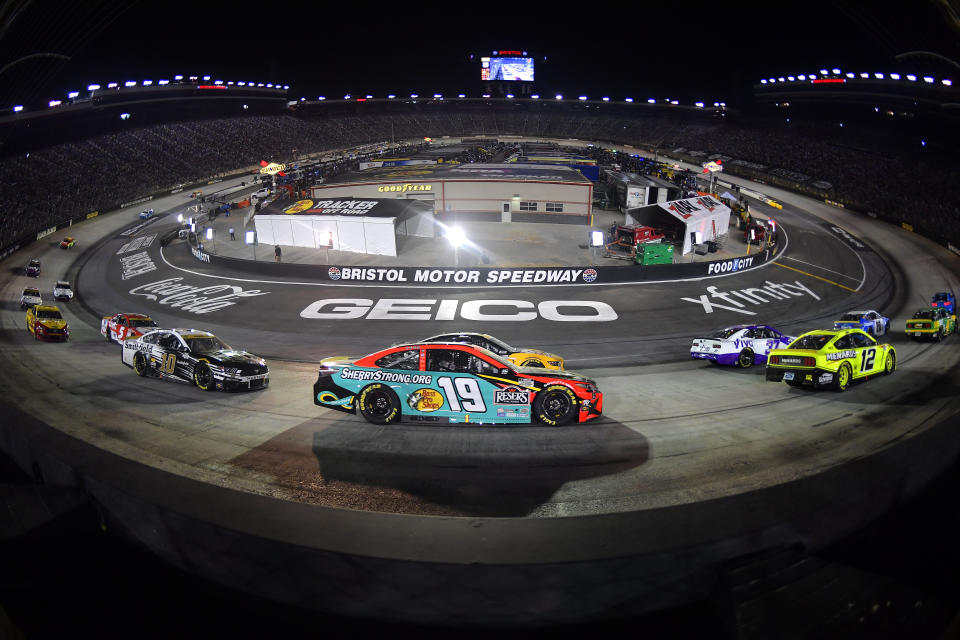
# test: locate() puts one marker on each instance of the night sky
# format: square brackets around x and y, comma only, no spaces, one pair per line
[685,50]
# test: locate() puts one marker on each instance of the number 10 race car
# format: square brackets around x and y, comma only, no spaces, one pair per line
[453,383]
[196,357]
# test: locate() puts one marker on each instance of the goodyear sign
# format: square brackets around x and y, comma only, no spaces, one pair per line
[403,188]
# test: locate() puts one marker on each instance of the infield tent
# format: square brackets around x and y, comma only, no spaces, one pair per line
[703,213]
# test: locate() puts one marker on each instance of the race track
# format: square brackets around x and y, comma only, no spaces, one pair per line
[675,432]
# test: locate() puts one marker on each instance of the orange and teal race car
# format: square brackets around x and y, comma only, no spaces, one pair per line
[932,322]
[438,383]
[830,359]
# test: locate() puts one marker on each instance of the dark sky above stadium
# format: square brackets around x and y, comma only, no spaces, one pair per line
[691,49]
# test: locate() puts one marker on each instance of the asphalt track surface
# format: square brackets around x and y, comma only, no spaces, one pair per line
[675,431]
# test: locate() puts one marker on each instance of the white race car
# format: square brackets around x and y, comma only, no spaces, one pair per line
[30,297]
[743,345]
[62,291]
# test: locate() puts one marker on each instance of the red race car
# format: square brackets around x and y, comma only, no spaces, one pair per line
[124,326]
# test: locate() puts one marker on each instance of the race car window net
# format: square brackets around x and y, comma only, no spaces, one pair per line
[723,334]
[47,314]
[925,315]
[408,360]
[457,361]
[814,342]
[142,323]
[855,317]
[206,344]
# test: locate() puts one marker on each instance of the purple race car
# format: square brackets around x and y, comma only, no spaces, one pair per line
[743,345]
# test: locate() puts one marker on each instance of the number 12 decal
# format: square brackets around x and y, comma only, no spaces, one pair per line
[462,392]
[866,359]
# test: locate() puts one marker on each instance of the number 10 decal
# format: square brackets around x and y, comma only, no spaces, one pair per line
[462,391]
[866,359]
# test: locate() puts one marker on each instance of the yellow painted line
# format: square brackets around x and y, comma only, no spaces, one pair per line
[836,284]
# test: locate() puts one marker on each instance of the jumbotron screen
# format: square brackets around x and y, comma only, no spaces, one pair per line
[506,68]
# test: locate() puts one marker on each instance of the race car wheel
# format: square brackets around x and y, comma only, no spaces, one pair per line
[940,334]
[890,363]
[140,364]
[203,377]
[745,359]
[556,405]
[842,379]
[379,404]
[108,336]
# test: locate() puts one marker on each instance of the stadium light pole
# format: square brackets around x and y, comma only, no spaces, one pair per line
[456,237]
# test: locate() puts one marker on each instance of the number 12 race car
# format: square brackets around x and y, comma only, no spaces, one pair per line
[197,357]
[453,383]
[830,358]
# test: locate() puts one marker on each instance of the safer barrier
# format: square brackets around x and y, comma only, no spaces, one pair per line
[486,276]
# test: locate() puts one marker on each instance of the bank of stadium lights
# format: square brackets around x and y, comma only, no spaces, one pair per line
[628,99]
[928,79]
[414,95]
[864,75]
[18,108]
[163,83]
[674,102]
[461,95]
[651,101]
[92,87]
[147,83]
[73,94]
[112,85]
[836,72]
[894,76]
[509,95]
[605,99]
[439,96]
[698,104]
[321,98]
[582,98]
[911,77]
[559,96]
[947,82]
[130,83]
[791,78]
[346,97]
[54,103]
[535,96]
[486,95]
[851,74]
[391,96]
[206,78]
[878,76]
[178,78]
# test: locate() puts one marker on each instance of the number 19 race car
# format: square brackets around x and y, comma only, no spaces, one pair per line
[198,357]
[453,383]
[830,358]
[743,345]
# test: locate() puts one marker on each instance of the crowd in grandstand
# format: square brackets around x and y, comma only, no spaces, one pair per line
[53,184]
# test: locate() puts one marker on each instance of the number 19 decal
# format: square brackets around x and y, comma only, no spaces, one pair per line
[463,394]
[866,359]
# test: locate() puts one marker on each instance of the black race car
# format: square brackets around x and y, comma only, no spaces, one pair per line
[197,357]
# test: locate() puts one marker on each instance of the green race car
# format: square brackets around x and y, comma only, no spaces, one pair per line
[932,322]
[830,359]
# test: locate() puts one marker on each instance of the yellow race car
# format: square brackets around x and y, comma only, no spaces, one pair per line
[830,359]
[46,323]
[522,357]
[932,322]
